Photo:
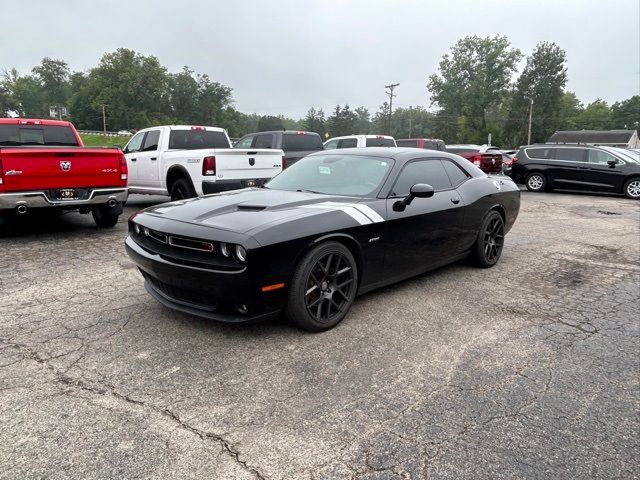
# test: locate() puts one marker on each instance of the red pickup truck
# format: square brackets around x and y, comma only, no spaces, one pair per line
[43,164]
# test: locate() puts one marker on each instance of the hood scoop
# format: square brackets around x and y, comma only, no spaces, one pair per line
[250,208]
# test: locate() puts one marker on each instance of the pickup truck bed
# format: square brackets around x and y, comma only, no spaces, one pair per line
[59,177]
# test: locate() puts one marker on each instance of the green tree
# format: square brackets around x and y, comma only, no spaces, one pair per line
[543,80]
[472,79]
[412,122]
[184,92]
[269,122]
[343,121]
[314,121]
[595,116]
[53,75]
[363,121]
[25,94]
[570,109]
[380,121]
[626,114]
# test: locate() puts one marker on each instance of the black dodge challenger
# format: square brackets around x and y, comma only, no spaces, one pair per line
[336,224]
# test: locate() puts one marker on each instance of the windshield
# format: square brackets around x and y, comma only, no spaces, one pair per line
[380,142]
[351,175]
[625,154]
[17,135]
[197,139]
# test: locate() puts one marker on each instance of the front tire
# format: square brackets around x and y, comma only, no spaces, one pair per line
[323,288]
[488,247]
[181,190]
[632,188]
[105,217]
[536,182]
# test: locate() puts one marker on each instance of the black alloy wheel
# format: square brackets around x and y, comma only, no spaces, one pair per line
[488,248]
[323,287]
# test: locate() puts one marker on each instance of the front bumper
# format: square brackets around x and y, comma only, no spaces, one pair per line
[40,199]
[224,296]
[226,185]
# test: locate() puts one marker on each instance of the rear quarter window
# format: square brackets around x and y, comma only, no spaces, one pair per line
[456,174]
[538,152]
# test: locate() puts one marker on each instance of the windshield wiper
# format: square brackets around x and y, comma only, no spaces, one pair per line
[309,191]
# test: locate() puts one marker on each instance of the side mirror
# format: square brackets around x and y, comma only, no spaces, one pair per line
[612,163]
[419,190]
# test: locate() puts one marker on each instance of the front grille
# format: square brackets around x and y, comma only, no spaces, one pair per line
[178,294]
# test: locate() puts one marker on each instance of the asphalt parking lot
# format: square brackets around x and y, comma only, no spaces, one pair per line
[527,370]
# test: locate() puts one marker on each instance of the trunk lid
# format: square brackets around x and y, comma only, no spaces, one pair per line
[491,162]
[38,168]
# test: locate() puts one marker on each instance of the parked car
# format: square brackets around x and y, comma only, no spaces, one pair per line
[295,144]
[44,165]
[360,141]
[338,224]
[426,143]
[125,132]
[185,161]
[489,161]
[578,167]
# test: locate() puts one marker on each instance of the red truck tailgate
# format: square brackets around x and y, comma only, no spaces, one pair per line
[491,162]
[34,168]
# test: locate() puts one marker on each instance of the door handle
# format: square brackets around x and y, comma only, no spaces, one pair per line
[455,201]
[153,158]
[133,159]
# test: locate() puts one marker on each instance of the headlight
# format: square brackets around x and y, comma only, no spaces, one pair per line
[224,249]
[241,253]
[145,230]
[136,228]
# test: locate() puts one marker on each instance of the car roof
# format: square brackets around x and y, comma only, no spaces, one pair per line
[359,135]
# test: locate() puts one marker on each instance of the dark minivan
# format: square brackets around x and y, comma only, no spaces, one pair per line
[578,167]
[295,144]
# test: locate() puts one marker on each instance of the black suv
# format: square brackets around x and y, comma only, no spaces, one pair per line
[295,144]
[578,167]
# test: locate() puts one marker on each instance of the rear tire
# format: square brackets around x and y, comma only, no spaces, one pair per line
[323,288]
[632,188]
[487,250]
[182,189]
[536,182]
[104,216]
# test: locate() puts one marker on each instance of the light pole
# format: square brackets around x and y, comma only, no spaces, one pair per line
[530,114]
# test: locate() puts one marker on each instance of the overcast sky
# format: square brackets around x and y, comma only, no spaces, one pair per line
[286,56]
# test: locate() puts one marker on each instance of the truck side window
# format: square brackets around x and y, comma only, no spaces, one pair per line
[151,141]
[348,143]
[263,141]
[135,144]
[331,145]
[245,142]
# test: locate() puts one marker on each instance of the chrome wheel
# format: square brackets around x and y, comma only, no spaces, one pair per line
[535,182]
[633,189]
[493,240]
[329,287]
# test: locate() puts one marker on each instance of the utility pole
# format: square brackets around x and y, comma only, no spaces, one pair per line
[104,120]
[410,112]
[391,95]
[530,114]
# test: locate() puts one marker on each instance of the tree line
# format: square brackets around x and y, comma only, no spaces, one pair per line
[471,96]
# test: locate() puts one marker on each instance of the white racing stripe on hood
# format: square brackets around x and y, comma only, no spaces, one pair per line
[362,214]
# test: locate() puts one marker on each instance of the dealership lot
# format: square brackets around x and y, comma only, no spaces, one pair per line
[529,369]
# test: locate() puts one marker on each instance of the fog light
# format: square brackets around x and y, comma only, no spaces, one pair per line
[224,249]
[242,308]
[241,253]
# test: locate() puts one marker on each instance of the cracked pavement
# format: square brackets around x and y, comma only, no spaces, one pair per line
[527,370]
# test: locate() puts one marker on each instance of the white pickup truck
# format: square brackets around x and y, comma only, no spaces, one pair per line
[184,161]
[360,141]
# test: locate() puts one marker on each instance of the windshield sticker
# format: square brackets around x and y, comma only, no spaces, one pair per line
[324,170]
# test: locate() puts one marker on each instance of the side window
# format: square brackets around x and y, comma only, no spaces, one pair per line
[135,144]
[151,141]
[598,156]
[262,141]
[455,172]
[331,145]
[407,143]
[348,143]
[538,152]
[570,154]
[422,171]
[245,142]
